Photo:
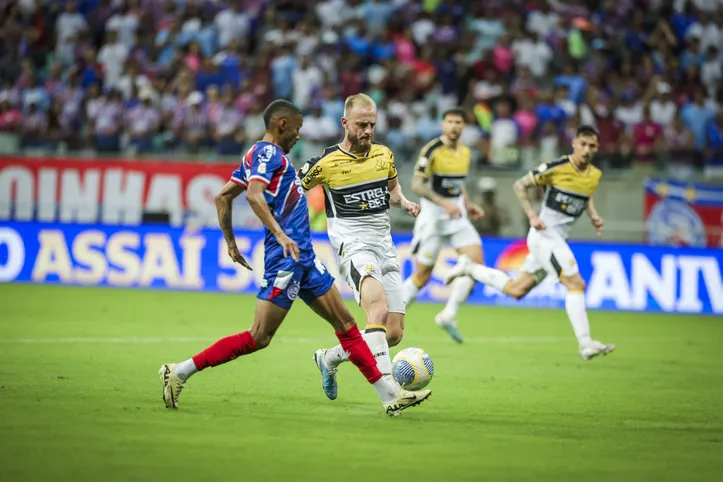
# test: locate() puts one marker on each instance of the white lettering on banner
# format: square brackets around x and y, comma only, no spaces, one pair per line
[191,247]
[16,254]
[608,281]
[647,281]
[125,264]
[200,195]
[160,261]
[97,258]
[17,183]
[123,196]
[53,257]
[88,251]
[47,195]
[690,268]
[241,277]
[164,195]
[79,199]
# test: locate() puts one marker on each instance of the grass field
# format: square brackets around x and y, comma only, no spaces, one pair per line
[80,398]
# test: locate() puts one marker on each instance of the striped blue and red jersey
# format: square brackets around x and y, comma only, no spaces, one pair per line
[265,162]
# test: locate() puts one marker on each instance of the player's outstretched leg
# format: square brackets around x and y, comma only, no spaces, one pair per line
[462,286]
[577,313]
[267,320]
[361,353]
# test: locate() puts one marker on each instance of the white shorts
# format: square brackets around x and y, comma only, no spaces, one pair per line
[549,254]
[429,239]
[358,261]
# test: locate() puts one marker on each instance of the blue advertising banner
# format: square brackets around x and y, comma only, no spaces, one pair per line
[619,276]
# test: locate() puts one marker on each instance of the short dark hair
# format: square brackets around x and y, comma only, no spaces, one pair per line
[455,111]
[587,130]
[279,107]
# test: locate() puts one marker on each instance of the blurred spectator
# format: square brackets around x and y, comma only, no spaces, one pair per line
[227,126]
[647,136]
[662,108]
[714,137]
[696,117]
[143,122]
[112,58]
[504,137]
[496,216]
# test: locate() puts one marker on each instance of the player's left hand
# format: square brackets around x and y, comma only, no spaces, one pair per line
[412,209]
[598,222]
[475,212]
[237,257]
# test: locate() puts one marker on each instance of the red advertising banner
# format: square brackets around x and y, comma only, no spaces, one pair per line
[109,191]
[683,214]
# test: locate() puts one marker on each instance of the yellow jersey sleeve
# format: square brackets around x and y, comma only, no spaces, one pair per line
[544,174]
[425,161]
[393,174]
[312,174]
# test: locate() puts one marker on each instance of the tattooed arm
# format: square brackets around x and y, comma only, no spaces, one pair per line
[520,188]
[224,206]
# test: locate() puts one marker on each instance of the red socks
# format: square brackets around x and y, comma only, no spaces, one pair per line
[226,349]
[359,353]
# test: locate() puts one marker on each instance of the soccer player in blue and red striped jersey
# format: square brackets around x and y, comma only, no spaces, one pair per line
[291,270]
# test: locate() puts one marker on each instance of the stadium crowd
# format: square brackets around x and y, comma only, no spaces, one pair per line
[194,75]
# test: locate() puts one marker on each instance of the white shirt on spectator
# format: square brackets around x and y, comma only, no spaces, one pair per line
[542,23]
[503,135]
[231,25]
[112,57]
[69,24]
[126,82]
[305,82]
[318,128]
[630,115]
[568,106]
[710,75]
[709,36]
[331,13]
[662,113]
[535,55]
[126,26]
[254,127]
[421,29]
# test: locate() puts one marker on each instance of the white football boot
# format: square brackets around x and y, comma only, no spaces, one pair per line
[405,399]
[594,348]
[172,384]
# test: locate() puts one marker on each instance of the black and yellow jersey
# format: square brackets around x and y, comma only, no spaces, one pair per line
[567,191]
[445,167]
[356,192]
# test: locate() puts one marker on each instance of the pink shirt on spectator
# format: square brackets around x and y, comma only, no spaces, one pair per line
[646,133]
[527,122]
[503,58]
[9,119]
[192,62]
[405,50]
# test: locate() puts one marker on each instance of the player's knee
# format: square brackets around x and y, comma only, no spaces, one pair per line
[262,339]
[574,283]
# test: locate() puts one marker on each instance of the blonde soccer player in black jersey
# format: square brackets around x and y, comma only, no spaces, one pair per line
[439,179]
[569,183]
[360,184]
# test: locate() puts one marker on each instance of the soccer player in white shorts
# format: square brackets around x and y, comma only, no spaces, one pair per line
[439,179]
[570,183]
[360,183]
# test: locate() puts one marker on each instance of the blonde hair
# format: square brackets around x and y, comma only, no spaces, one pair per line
[361,100]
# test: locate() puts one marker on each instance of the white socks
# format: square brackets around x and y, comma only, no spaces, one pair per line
[185,369]
[411,290]
[376,340]
[489,276]
[575,307]
[461,288]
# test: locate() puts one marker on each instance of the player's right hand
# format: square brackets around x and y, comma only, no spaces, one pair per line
[452,210]
[289,245]
[237,257]
[537,223]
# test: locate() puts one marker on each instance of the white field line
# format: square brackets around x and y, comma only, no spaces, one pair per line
[281,339]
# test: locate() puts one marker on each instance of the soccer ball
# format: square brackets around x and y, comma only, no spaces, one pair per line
[412,369]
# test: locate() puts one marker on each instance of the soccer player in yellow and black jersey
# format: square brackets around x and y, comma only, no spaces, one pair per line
[439,179]
[570,183]
[360,184]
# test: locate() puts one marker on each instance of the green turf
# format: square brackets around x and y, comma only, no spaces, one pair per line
[515,403]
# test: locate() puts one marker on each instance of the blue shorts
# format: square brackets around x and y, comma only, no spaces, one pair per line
[285,280]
